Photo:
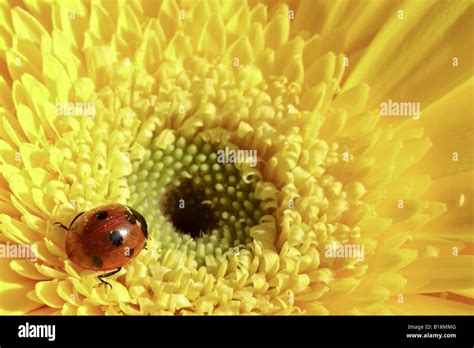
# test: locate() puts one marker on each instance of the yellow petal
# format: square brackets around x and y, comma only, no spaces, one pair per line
[98,58]
[259,14]
[322,70]
[179,46]
[429,305]
[239,23]
[294,70]
[73,29]
[16,231]
[150,53]
[242,50]
[389,65]
[27,269]
[353,100]
[26,25]
[452,151]
[100,22]
[56,78]
[277,31]
[439,274]
[215,41]
[13,290]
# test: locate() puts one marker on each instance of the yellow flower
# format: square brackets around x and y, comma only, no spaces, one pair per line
[342,211]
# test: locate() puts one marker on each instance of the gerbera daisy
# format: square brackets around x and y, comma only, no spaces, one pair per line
[340,211]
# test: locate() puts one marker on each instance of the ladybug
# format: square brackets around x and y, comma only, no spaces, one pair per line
[105,238]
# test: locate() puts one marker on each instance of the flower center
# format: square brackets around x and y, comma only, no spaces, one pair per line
[195,203]
[188,209]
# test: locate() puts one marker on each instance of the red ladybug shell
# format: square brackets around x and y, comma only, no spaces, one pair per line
[106,237]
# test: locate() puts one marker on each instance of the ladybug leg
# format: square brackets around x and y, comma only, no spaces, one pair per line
[102,276]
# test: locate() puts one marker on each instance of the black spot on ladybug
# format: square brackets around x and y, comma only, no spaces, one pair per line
[101,215]
[116,238]
[130,252]
[97,261]
[131,217]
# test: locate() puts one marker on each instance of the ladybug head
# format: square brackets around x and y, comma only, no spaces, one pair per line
[141,221]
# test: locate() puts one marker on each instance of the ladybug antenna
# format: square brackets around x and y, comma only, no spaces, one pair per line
[61,225]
